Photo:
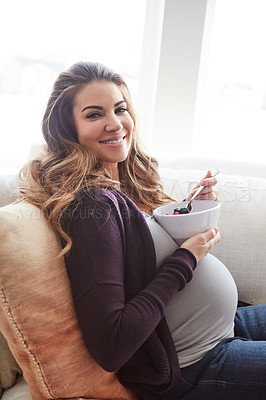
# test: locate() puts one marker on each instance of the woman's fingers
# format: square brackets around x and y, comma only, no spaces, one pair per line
[206,194]
[212,235]
[202,243]
[209,235]
[208,181]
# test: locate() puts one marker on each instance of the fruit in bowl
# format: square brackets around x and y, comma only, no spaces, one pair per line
[204,215]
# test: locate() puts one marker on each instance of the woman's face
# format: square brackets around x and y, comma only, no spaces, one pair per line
[103,123]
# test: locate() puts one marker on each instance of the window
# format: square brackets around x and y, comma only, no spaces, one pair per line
[232,106]
[40,39]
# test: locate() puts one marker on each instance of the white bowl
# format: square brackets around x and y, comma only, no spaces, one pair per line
[204,215]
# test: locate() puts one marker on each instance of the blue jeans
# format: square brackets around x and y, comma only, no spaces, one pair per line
[235,369]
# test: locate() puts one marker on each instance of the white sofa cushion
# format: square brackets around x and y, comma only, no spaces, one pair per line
[20,391]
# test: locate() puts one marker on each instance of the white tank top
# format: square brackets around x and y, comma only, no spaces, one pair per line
[202,314]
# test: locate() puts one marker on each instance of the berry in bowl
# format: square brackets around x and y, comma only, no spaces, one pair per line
[182,225]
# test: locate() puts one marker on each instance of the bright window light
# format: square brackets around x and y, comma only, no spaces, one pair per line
[232,112]
[40,39]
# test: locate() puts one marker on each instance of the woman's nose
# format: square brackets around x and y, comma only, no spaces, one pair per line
[113,123]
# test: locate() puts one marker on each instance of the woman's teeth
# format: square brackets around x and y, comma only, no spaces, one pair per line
[112,141]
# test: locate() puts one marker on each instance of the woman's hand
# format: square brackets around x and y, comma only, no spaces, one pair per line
[202,243]
[208,193]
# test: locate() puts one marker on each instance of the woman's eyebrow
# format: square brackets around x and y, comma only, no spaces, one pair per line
[101,108]
[87,107]
[120,102]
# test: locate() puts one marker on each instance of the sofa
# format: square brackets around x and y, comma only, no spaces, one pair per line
[242,223]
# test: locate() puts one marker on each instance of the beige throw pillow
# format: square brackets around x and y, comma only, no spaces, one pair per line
[37,316]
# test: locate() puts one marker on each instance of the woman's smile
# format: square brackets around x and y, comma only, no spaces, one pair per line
[113,140]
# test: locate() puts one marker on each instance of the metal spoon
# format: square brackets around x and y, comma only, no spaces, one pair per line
[189,205]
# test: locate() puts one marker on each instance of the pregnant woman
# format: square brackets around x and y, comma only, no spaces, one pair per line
[164,318]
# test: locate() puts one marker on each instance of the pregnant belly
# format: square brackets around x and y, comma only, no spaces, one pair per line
[202,314]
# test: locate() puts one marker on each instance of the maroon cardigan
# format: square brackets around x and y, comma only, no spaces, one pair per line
[119,297]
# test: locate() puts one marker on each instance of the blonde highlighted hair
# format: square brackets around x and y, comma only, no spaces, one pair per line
[53,180]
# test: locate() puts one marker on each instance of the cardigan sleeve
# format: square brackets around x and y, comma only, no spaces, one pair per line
[113,327]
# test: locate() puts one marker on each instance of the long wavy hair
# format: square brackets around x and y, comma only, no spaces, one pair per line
[53,180]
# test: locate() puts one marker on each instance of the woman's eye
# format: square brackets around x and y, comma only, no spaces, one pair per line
[121,110]
[93,115]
